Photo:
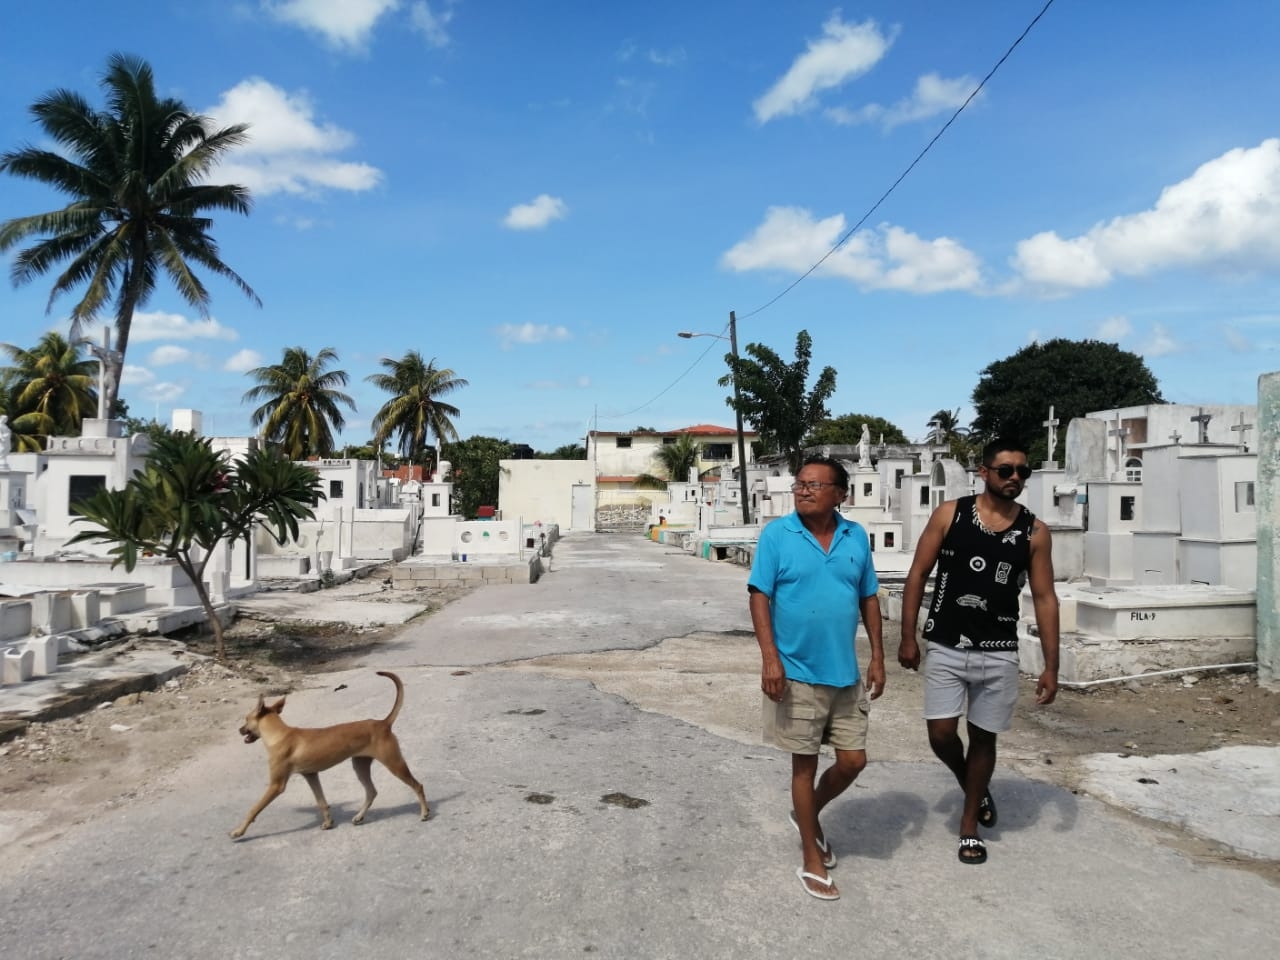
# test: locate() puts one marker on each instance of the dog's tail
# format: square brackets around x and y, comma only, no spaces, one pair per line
[395,707]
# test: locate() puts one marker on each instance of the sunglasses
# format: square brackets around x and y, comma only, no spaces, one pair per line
[1007,470]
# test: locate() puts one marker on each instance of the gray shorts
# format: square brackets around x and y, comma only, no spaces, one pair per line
[809,716]
[987,679]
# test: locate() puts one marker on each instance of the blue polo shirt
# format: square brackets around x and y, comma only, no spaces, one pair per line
[814,596]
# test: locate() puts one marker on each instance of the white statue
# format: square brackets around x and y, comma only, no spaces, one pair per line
[864,449]
[6,436]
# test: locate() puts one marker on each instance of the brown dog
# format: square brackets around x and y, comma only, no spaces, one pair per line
[306,751]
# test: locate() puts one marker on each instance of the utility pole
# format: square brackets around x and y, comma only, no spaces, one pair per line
[737,410]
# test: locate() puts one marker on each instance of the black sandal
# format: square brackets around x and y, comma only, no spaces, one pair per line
[987,811]
[972,850]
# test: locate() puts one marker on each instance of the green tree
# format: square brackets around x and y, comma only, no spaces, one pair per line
[846,430]
[50,390]
[299,402]
[774,399]
[148,426]
[675,460]
[475,471]
[188,499]
[415,411]
[1013,395]
[139,204]
[569,451]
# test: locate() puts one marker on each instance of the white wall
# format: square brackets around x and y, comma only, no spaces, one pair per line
[542,489]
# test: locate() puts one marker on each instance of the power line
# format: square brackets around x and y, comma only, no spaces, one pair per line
[911,166]
[863,219]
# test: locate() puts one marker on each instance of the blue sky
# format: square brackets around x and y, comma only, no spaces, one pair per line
[541,195]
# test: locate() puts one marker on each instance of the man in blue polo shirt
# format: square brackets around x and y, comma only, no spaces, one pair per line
[810,579]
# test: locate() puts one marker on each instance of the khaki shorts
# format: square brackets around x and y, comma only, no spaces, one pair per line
[809,716]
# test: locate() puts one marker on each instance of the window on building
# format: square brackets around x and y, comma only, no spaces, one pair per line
[866,489]
[717,451]
[1244,497]
[82,488]
[1133,470]
[335,489]
[924,495]
[669,441]
[1126,507]
[888,539]
[435,499]
[623,443]
[872,538]
[897,478]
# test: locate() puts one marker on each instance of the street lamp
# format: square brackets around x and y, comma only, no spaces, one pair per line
[742,446]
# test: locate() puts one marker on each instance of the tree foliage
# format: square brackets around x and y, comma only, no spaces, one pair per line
[475,471]
[675,460]
[415,411]
[775,399]
[49,390]
[1076,377]
[299,402]
[846,430]
[568,451]
[188,499]
[135,174]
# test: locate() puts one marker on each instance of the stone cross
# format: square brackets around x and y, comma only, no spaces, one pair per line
[1176,437]
[106,372]
[1243,429]
[1052,424]
[1203,419]
[1119,432]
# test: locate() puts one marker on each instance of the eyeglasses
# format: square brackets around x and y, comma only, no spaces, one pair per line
[1007,470]
[813,486]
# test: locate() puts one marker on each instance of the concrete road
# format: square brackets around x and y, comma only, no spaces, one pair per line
[568,823]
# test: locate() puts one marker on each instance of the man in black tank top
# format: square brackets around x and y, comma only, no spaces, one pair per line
[986,548]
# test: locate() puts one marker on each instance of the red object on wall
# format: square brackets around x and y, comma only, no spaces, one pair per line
[484,513]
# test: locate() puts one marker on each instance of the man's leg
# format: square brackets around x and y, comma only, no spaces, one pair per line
[944,738]
[980,765]
[838,777]
[804,768]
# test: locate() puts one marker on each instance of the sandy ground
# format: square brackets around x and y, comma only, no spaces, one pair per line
[65,771]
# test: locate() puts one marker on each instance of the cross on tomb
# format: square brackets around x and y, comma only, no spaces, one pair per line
[1052,424]
[1176,437]
[1203,419]
[1243,429]
[1119,432]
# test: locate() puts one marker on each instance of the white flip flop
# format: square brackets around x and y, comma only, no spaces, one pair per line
[805,876]
[829,858]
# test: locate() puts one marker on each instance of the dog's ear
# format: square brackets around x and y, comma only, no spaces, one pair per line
[261,707]
[277,706]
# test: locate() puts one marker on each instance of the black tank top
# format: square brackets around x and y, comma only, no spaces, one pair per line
[981,572]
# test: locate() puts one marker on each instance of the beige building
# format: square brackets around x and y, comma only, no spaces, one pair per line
[619,457]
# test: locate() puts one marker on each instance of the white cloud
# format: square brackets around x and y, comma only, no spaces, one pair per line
[846,51]
[1236,341]
[536,215]
[1225,216]
[163,392]
[431,24]
[168,355]
[288,150]
[583,381]
[884,258]
[932,95]
[510,334]
[133,376]
[148,327]
[243,360]
[1161,342]
[1114,329]
[343,23]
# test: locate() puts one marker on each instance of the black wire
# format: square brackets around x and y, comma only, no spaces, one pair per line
[911,166]
[863,219]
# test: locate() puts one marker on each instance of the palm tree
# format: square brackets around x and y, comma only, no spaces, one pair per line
[134,173]
[300,398]
[50,390]
[676,459]
[415,410]
[946,425]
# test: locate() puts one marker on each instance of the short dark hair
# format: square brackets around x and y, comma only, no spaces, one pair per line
[842,475]
[1003,445]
